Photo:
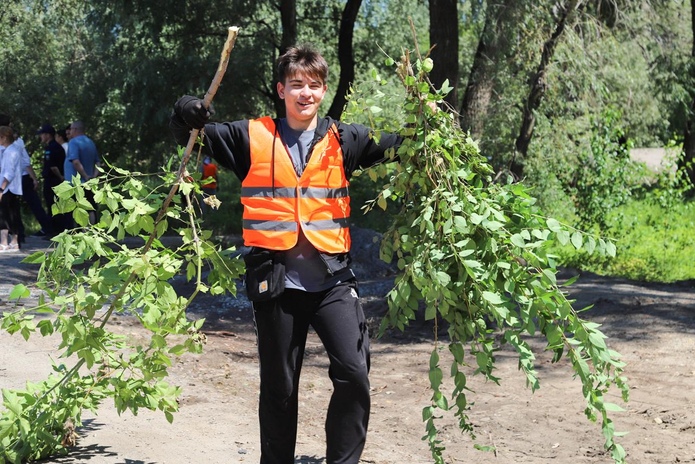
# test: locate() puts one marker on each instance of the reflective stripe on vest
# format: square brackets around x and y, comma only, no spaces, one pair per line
[277,203]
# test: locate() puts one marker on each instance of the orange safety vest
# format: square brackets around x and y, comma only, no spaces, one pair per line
[277,203]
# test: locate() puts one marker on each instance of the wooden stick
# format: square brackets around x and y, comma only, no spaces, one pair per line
[207,100]
[214,85]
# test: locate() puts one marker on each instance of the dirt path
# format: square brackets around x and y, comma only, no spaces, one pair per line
[653,326]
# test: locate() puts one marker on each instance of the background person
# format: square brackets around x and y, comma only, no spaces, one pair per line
[10,190]
[295,175]
[81,160]
[52,173]
[62,138]
[30,187]
[82,156]
[30,183]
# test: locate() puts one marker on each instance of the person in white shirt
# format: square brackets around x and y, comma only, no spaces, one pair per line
[10,190]
[30,183]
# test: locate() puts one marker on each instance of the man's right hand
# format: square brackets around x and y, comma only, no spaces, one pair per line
[192,111]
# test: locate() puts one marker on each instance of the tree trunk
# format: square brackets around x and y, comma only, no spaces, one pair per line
[491,46]
[444,37]
[288,20]
[538,88]
[345,57]
[689,132]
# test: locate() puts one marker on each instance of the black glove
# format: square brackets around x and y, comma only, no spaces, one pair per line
[192,111]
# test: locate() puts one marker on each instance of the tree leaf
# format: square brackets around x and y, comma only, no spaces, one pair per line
[493,298]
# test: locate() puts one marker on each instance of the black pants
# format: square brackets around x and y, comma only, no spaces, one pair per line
[10,217]
[282,324]
[31,198]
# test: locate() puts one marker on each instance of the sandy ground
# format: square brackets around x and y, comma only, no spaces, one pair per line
[653,326]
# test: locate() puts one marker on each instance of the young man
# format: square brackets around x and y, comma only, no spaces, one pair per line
[295,175]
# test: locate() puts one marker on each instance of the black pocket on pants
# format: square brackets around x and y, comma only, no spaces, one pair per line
[265,274]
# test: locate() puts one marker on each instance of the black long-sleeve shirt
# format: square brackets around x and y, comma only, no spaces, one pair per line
[228,143]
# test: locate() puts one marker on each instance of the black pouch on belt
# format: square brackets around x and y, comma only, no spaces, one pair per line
[265,274]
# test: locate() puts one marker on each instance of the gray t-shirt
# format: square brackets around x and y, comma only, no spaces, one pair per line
[304,268]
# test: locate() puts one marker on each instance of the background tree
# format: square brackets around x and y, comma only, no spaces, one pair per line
[120,66]
[444,39]
[538,85]
[345,57]
[689,132]
[493,49]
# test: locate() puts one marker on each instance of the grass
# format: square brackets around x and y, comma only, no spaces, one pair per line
[654,243]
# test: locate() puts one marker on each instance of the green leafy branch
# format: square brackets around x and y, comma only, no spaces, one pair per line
[475,253]
[94,272]
[118,265]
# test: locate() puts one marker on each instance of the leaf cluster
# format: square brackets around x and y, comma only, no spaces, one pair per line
[474,252]
[122,264]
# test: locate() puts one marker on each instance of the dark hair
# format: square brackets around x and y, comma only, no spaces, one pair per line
[302,59]
[4,120]
[62,133]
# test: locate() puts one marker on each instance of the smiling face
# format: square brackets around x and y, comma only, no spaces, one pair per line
[303,95]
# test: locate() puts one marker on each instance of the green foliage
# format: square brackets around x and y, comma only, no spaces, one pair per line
[651,229]
[670,185]
[118,66]
[605,177]
[38,38]
[474,251]
[596,66]
[384,103]
[122,264]
[653,243]
[666,39]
